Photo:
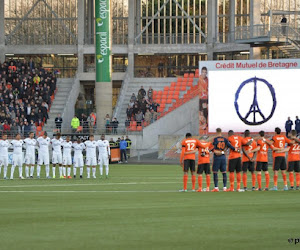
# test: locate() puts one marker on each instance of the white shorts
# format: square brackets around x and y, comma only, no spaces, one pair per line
[67,160]
[43,159]
[91,161]
[103,159]
[4,161]
[29,159]
[56,158]
[17,160]
[78,161]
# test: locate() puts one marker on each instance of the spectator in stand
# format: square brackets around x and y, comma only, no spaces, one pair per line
[58,123]
[135,110]
[150,94]
[6,127]
[12,67]
[139,118]
[114,125]
[131,103]
[31,64]
[111,142]
[84,123]
[154,116]
[143,105]
[75,123]
[123,146]
[141,94]
[160,68]
[27,129]
[107,123]
[148,116]
[155,106]
[127,123]
[37,79]
[14,129]
[129,112]
[91,120]
[32,127]
[133,98]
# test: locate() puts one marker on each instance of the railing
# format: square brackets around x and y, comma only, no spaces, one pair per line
[115,68]
[164,71]
[170,39]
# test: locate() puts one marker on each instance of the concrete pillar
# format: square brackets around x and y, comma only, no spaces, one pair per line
[80,36]
[232,20]
[131,37]
[255,53]
[211,21]
[2,33]
[255,15]
[138,17]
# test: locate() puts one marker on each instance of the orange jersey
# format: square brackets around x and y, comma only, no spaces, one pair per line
[262,154]
[279,142]
[294,152]
[204,147]
[188,145]
[236,141]
[250,147]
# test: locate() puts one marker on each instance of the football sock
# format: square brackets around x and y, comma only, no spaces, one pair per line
[275,180]
[200,181]
[231,179]
[267,175]
[69,171]
[4,171]
[245,179]
[94,172]
[101,169]
[38,170]
[253,179]
[53,171]
[185,181]
[291,177]
[238,180]
[208,181]
[88,170]
[224,179]
[12,172]
[27,171]
[60,171]
[20,171]
[259,180]
[74,171]
[81,171]
[64,171]
[106,170]
[284,179]
[216,180]
[31,170]
[297,179]
[47,170]
[193,182]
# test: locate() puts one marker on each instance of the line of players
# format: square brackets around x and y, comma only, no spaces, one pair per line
[61,156]
[254,159]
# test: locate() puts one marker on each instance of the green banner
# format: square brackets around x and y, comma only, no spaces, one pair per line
[102,19]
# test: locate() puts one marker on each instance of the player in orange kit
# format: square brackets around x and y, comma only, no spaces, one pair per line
[235,161]
[204,164]
[294,160]
[187,161]
[248,158]
[279,142]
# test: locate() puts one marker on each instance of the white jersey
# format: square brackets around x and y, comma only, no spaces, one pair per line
[43,145]
[17,146]
[91,147]
[30,146]
[56,145]
[4,145]
[78,148]
[67,148]
[103,147]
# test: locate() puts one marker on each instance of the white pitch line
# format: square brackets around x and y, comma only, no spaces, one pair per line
[91,191]
[91,184]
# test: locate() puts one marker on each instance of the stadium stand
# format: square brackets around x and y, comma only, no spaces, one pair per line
[26,95]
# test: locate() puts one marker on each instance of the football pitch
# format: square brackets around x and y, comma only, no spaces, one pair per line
[139,207]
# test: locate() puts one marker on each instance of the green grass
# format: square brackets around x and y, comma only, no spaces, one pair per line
[139,207]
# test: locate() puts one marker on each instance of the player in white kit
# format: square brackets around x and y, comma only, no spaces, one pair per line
[91,158]
[104,154]
[17,145]
[57,154]
[67,157]
[30,144]
[4,145]
[43,154]
[78,157]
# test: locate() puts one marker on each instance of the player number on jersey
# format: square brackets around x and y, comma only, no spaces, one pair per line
[296,147]
[281,144]
[191,146]
[265,147]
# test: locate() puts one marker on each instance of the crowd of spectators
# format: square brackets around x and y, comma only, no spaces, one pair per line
[142,108]
[25,96]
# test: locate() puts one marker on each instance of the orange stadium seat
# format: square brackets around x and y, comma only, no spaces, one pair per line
[192,75]
[169,101]
[179,79]
[197,73]
[172,88]
[164,96]
[133,128]
[173,84]
[183,88]
[166,88]
[163,101]
[139,128]
[186,75]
